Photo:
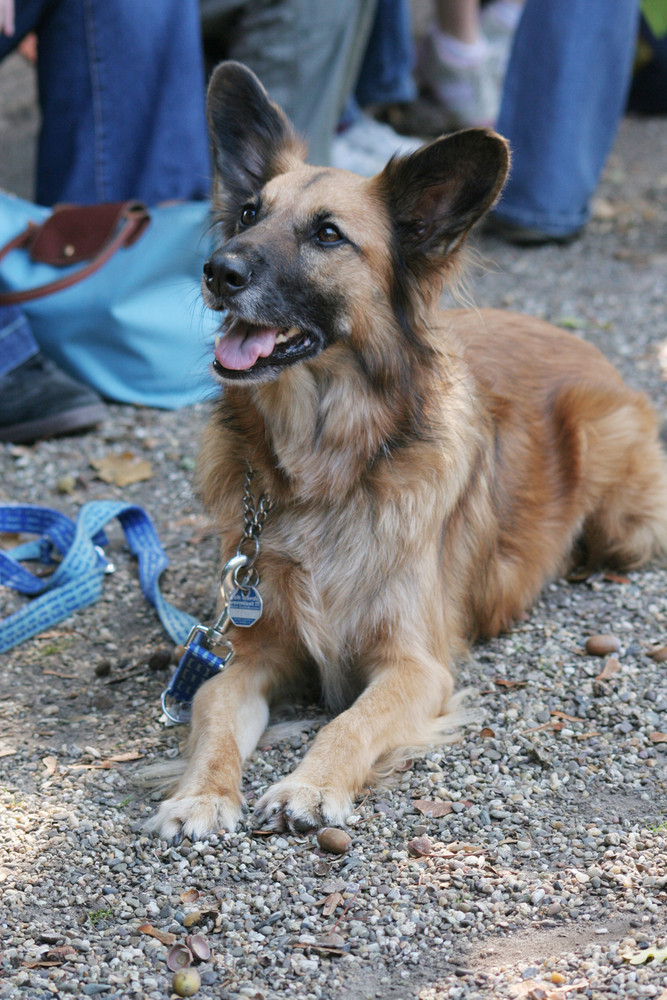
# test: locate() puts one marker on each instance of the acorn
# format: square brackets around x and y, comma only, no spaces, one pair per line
[186,982]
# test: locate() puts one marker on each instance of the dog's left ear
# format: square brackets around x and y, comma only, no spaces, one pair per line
[251,138]
[437,194]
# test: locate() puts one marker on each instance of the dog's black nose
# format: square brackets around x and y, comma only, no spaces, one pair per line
[225,274]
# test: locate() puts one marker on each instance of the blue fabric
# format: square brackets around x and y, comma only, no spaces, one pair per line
[564,94]
[136,330]
[386,70]
[121,90]
[77,580]
[17,343]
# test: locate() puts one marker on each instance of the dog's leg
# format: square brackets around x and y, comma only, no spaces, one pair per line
[401,707]
[229,714]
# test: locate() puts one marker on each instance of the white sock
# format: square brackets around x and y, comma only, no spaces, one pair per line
[453,52]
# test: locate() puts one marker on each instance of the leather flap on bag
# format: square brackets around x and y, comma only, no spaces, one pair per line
[76,233]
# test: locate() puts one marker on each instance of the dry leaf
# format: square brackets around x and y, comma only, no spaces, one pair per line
[659,655]
[433,809]
[164,936]
[564,715]
[6,750]
[487,733]
[123,469]
[615,578]
[190,896]
[658,737]
[51,765]
[533,989]
[611,667]
[501,682]
[120,758]
[329,904]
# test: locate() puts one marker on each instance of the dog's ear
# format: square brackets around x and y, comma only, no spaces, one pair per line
[435,195]
[251,138]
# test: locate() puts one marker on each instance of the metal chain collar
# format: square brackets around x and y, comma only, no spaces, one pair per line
[254,516]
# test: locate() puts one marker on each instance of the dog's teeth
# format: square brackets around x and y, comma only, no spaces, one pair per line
[282,338]
[217,339]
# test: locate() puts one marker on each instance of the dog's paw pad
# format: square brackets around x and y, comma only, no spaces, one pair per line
[195,816]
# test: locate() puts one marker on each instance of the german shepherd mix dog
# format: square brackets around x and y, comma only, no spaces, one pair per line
[428,470]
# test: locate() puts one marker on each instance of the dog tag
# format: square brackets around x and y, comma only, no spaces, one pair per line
[244,607]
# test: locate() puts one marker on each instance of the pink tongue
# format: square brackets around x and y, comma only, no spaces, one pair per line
[240,351]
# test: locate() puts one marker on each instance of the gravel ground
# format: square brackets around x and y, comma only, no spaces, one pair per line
[544,873]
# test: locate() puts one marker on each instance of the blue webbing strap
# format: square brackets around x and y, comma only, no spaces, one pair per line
[77,580]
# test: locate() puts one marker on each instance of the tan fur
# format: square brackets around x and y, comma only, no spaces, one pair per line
[421,499]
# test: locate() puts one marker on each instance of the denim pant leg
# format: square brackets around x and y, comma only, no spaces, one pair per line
[17,343]
[564,95]
[121,89]
[386,70]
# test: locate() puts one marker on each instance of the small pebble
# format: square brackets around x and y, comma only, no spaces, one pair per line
[602,645]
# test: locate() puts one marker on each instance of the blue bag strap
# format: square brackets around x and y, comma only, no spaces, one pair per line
[77,581]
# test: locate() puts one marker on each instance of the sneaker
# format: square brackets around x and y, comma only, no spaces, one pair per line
[468,93]
[38,400]
[365,146]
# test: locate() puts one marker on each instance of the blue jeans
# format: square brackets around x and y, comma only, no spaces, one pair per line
[564,95]
[121,91]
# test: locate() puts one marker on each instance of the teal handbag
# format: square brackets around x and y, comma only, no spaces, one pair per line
[112,293]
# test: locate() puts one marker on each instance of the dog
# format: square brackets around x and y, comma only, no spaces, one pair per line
[428,471]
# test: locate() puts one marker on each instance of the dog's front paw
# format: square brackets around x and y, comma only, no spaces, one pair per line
[195,816]
[294,805]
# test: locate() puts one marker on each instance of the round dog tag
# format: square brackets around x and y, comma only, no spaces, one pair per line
[245,607]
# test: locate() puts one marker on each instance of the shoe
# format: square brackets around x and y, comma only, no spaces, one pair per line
[38,400]
[365,146]
[469,94]
[526,236]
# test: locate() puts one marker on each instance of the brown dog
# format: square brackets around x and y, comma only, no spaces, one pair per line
[428,471]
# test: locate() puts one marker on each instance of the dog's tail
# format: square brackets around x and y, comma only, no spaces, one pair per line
[443,729]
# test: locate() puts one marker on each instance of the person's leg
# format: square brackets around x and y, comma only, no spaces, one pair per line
[37,399]
[122,96]
[388,63]
[307,53]
[565,91]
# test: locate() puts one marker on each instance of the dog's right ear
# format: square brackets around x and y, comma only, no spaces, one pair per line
[251,138]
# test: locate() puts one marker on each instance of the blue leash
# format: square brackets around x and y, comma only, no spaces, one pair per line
[77,581]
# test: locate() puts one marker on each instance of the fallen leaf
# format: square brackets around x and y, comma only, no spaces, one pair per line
[501,682]
[487,733]
[571,322]
[51,765]
[536,989]
[564,715]
[434,809]
[123,469]
[6,750]
[190,896]
[611,667]
[330,903]
[615,578]
[164,936]
[648,955]
[658,737]
[120,758]
[659,655]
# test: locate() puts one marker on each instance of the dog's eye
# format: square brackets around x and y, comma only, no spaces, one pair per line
[248,215]
[329,234]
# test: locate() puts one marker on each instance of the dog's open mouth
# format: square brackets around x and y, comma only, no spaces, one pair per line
[246,348]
